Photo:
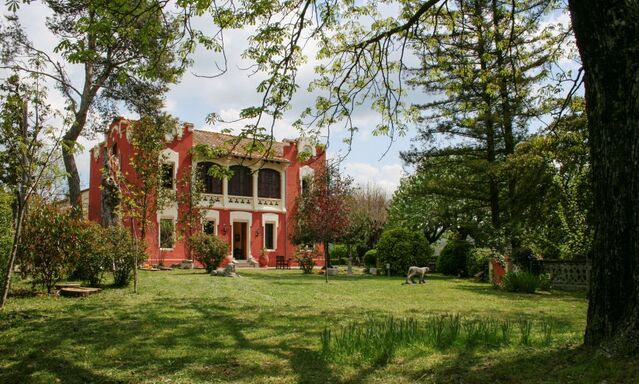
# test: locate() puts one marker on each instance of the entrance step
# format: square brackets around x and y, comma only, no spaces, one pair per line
[243,264]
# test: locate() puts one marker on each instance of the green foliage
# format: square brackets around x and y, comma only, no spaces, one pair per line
[48,250]
[208,250]
[453,258]
[520,282]
[339,254]
[426,204]
[145,194]
[306,259]
[370,258]
[401,249]
[6,228]
[93,253]
[545,282]
[124,253]
[477,261]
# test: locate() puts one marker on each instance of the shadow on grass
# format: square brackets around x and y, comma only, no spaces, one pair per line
[489,290]
[557,365]
[156,340]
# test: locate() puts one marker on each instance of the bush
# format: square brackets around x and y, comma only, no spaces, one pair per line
[208,250]
[48,250]
[477,261]
[306,259]
[123,250]
[370,258]
[6,229]
[93,251]
[339,254]
[526,260]
[545,282]
[452,259]
[520,282]
[401,249]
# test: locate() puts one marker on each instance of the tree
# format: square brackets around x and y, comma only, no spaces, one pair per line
[437,199]
[191,212]
[143,193]
[368,207]
[28,147]
[127,52]
[552,203]
[481,61]
[611,73]
[321,214]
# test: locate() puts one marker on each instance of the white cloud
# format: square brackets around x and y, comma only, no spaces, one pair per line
[386,176]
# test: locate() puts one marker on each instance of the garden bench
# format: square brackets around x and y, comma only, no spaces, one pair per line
[281,263]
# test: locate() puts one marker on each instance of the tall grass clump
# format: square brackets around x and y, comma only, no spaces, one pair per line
[520,282]
[378,339]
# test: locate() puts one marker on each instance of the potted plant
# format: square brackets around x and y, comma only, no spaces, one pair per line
[263,260]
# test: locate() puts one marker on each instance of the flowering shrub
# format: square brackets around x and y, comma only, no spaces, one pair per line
[208,250]
[305,258]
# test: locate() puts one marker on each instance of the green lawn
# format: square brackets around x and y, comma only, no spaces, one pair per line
[188,327]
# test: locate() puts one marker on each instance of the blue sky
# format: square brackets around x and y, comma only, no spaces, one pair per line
[194,98]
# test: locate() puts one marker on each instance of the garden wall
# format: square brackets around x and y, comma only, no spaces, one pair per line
[569,275]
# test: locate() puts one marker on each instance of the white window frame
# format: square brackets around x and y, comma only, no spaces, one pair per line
[274,223]
[160,233]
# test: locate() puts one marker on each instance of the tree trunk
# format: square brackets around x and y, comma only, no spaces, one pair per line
[607,37]
[350,260]
[135,258]
[327,259]
[73,178]
[6,280]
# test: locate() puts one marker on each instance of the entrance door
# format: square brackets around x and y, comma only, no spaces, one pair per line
[240,246]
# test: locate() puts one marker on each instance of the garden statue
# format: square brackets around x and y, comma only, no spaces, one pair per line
[252,262]
[412,271]
[228,271]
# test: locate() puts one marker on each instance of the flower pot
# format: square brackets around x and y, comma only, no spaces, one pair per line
[372,271]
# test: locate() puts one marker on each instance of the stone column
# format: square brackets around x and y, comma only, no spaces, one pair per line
[255,180]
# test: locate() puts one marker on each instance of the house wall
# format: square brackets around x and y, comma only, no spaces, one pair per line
[178,148]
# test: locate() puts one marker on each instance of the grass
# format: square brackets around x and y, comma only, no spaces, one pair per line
[270,327]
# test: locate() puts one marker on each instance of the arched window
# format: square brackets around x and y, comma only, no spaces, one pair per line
[241,184]
[268,183]
[210,184]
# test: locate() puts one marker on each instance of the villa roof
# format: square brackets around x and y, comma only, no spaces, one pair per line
[220,140]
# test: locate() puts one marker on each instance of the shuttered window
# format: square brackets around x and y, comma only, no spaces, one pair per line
[269,183]
[241,184]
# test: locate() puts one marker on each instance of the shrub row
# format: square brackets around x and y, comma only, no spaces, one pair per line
[54,246]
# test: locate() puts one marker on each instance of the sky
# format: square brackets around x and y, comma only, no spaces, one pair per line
[193,98]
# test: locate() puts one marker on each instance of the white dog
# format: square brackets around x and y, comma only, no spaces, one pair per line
[412,271]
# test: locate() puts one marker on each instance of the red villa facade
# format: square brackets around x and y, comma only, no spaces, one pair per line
[250,211]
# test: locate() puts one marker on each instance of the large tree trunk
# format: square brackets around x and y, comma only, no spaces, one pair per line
[73,180]
[607,35]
